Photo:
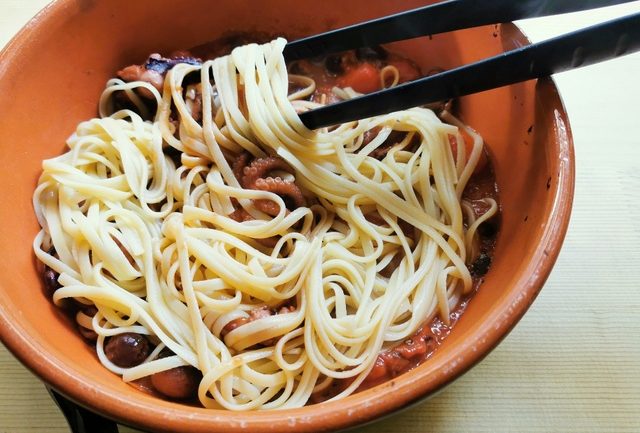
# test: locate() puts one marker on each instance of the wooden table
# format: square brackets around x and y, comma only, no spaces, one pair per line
[573,362]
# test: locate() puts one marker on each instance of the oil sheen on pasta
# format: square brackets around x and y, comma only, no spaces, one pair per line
[215,249]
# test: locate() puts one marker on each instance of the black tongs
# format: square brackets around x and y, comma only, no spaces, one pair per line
[573,50]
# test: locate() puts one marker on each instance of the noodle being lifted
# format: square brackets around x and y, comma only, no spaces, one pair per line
[270,261]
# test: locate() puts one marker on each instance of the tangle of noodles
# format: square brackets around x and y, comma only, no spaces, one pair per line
[154,248]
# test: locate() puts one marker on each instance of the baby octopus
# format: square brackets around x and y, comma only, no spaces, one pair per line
[155,68]
[256,175]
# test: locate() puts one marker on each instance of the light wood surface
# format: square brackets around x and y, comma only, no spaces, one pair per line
[573,362]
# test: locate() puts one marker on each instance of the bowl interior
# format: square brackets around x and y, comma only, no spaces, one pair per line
[51,76]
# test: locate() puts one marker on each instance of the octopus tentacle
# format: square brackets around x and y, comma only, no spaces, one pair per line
[240,215]
[254,175]
[267,206]
[155,69]
[239,165]
[260,168]
[277,185]
[269,242]
[393,139]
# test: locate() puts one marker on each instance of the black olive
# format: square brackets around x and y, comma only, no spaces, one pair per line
[128,349]
[50,279]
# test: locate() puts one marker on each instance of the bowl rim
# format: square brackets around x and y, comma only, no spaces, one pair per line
[356,409]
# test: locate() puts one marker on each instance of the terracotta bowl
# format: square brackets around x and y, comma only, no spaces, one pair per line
[51,76]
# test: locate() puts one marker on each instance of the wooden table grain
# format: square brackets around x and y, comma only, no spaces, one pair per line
[573,362]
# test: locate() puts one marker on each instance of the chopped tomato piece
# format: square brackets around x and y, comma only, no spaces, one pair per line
[468,146]
[364,78]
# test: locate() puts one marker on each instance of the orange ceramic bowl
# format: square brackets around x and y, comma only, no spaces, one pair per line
[51,76]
